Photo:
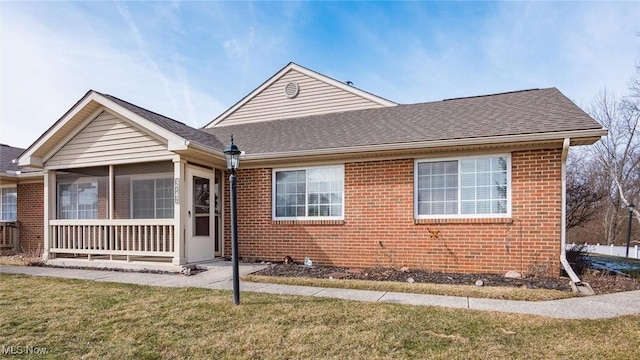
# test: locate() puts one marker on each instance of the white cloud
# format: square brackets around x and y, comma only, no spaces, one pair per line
[233,49]
[46,70]
[581,48]
[190,61]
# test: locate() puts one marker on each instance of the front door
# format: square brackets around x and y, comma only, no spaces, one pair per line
[217,190]
[200,215]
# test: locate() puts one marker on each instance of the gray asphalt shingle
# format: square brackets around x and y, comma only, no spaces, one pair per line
[7,155]
[176,127]
[514,113]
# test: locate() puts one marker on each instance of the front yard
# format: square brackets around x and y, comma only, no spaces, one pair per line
[85,319]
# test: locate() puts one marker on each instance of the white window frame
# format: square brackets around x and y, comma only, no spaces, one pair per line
[460,215]
[306,217]
[15,188]
[154,176]
[82,180]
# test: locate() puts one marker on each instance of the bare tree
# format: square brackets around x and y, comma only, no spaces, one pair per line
[585,189]
[618,155]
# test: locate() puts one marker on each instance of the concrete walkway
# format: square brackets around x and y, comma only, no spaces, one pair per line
[219,277]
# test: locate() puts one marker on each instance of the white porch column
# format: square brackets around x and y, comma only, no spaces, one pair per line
[110,206]
[179,208]
[49,208]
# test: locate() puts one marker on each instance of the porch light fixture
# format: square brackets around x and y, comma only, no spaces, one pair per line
[631,208]
[232,153]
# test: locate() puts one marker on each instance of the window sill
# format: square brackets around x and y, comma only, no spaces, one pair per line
[307,222]
[506,220]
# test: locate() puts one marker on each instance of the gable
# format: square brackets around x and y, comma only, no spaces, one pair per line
[147,136]
[298,92]
[107,139]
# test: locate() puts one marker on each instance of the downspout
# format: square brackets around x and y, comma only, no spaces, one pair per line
[563,222]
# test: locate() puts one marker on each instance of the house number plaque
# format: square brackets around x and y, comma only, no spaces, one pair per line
[176,191]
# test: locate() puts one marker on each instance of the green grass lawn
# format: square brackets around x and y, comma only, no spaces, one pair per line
[487,292]
[87,319]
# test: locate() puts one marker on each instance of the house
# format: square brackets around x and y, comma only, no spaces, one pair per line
[26,184]
[330,172]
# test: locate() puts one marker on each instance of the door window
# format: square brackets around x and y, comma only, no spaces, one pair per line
[201,206]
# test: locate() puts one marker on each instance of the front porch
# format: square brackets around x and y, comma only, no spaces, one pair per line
[9,235]
[124,184]
[133,216]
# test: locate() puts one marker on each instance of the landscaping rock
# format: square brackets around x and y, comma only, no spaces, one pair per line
[336,275]
[513,275]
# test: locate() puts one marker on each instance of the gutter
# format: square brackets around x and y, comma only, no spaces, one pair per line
[563,221]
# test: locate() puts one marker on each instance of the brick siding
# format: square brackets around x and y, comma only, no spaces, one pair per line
[31,217]
[379,228]
[122,199]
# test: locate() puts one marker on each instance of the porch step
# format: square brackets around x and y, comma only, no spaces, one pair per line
[210,264]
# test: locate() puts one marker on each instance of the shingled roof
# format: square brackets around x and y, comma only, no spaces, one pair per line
[514,113]
[176,127]
[7,155]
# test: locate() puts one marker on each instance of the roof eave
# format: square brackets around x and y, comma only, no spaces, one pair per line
[214,155]
[579,137]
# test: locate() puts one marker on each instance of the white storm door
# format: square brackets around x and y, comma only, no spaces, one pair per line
[217,210]
[200,217]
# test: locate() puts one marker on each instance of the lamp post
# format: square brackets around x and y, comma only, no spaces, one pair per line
[631,207]
[232,153]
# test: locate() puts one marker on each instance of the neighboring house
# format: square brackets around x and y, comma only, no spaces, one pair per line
[25,183]
[331,172]
[8,182]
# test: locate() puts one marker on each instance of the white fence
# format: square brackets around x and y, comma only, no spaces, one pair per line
[612,250]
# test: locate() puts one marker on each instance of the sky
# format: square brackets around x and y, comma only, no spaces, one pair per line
[193,60]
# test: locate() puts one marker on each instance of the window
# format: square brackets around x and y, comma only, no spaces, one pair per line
[152,198]
[9,204]
[463,187]
[78,200]
[312,193]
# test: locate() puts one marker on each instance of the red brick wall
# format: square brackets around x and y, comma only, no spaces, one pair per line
[122,197]
[103,198]
[31,217]
[379,228]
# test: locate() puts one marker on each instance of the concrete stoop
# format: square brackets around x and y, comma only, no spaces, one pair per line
[582,288]
[140,266]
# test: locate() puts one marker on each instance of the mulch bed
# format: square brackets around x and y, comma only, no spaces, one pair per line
[601,284]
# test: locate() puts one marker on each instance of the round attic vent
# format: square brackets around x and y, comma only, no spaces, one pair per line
[291,90]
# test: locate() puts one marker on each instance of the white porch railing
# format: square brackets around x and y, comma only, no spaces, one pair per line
[10,235]
[113,237]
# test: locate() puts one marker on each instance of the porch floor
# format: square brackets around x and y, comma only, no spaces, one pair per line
[134,263]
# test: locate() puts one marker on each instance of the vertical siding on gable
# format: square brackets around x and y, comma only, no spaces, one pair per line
[108,138]
[315,97]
